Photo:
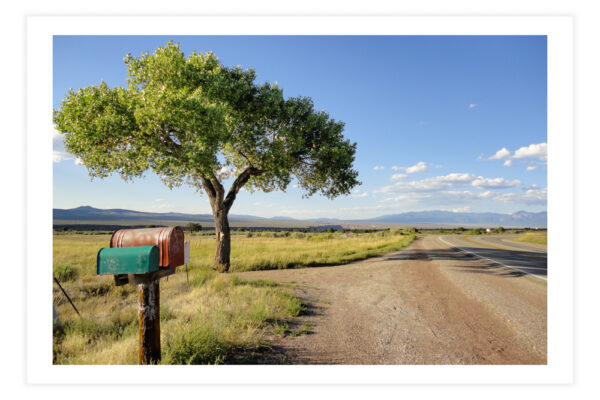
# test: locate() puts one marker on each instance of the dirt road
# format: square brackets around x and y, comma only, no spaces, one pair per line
[427,304]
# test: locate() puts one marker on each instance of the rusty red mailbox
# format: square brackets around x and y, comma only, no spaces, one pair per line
[170,242]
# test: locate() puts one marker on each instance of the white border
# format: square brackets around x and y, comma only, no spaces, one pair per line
[39,201]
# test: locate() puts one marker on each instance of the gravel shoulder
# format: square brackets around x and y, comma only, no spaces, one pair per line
[427,304]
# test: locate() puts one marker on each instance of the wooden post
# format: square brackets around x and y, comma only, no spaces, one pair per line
[149,321]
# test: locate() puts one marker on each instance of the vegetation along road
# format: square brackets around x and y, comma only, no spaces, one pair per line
[434,302]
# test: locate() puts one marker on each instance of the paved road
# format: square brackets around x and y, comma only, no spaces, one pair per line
[427,304]
[524,258]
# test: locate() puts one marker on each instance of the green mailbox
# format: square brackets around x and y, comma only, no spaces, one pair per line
[127,260]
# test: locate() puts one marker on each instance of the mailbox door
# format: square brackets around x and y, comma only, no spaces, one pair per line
[127,260]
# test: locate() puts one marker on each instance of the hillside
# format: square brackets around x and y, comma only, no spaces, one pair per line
[95,216]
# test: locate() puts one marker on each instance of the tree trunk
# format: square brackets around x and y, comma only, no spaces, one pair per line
[221,205]
[223,237]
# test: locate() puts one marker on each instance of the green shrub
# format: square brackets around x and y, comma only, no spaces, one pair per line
[236,281]
[97,288]
[65,272]
[293,305]
[201,276]
[194,227]
[198,344]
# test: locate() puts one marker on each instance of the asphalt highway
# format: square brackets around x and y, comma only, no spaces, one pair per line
[524,258]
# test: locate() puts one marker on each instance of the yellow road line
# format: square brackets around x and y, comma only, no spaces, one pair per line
[491,246]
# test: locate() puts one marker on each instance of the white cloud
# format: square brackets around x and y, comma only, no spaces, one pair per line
[529,196]
[56,134]
[539,150]
[78,161]
[256,204]
[462,200]
[488,194]
[439,166]
[58,156]
[296,186]
[531,168]
[435,183]
[500,154]
[418,167]
[421,166]
[378,168]
[398,176]
[494,183]
[225,173]
[448,182]
[160,207]
[364,194]
[472,105]
[461,209]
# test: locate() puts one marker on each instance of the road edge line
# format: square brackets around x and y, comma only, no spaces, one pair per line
[494,261]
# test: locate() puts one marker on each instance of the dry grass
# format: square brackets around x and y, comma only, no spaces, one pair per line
[269,250]
[215,318]
[534,237]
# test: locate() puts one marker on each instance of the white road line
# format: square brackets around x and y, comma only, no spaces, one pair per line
[497,262]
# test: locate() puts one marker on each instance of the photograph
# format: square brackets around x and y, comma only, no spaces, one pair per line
[300,199]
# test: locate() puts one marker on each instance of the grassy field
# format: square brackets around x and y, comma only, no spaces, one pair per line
[534,237]
[215,318]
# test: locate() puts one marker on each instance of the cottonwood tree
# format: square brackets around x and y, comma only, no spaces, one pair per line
[192,120]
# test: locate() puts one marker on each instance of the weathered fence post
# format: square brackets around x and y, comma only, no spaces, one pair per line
[149,322]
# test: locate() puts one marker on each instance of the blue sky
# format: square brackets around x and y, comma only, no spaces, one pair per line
[442,122]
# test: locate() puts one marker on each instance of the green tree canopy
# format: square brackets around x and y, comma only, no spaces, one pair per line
[192,120]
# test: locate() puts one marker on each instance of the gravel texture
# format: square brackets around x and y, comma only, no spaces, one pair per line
[427,304]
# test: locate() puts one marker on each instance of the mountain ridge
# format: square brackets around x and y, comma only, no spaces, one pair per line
[430,217]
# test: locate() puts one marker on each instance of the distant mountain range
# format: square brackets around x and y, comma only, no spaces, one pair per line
[427,218]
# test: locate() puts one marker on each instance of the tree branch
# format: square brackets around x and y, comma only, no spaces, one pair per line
[208,187]
[167,140]
[245,157]
[239,182]
[218,187]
